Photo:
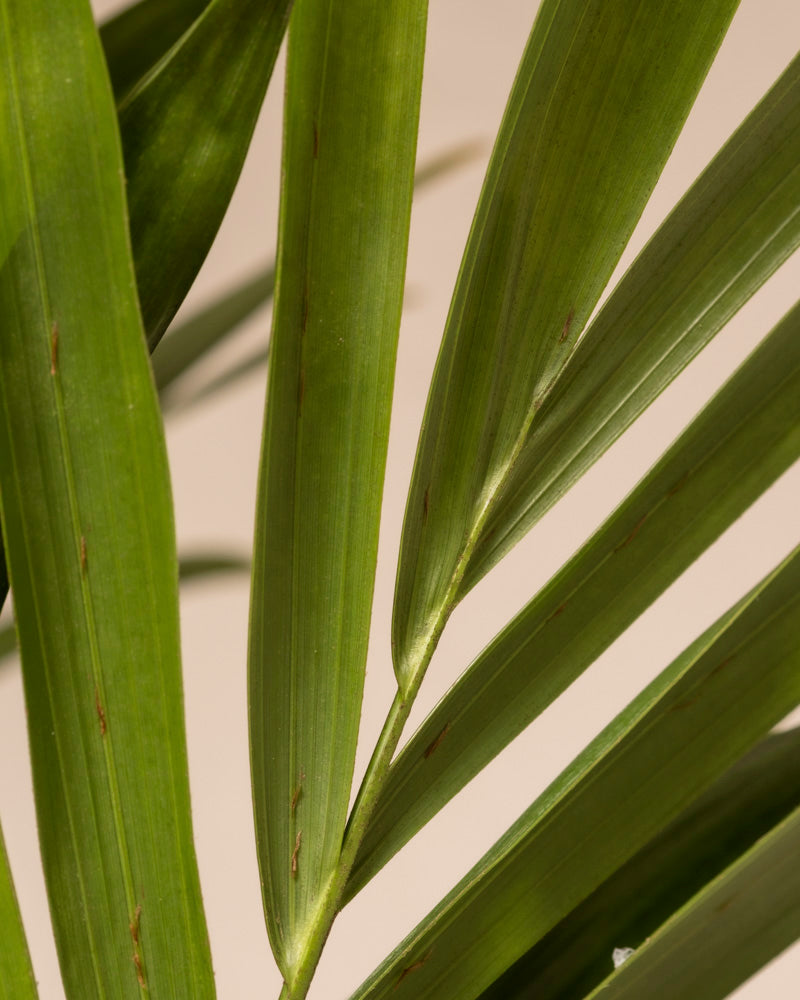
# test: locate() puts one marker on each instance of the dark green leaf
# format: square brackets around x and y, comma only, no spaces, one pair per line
[757,793]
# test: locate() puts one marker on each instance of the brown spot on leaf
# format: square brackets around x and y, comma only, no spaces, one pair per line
[84,555]
[425,505]
[101,715]
[412,968]
[559,610]
[567,325]
[295,852]
[298,792]
[633,534]
[54,349]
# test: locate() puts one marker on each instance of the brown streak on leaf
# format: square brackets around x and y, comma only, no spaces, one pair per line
[413,968]
[633,534]
[54,349]
[298,792]
[134,925]
[425,505]
[567,325]
[437,740]
[295,852]
[679,485]
[84,556]
[101,715]
[137,961]
[721,665]
[679,706]
[556,613]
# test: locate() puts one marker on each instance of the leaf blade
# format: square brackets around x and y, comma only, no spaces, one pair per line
[87,520]
[345,210]
[746,437]
[700,715]
[571,147]
[16,972]
[737,223]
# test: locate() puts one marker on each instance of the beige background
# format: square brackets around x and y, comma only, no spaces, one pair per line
[473,51]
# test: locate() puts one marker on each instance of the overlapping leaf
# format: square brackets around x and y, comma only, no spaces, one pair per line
[345,208]
[88,525]
[573,166]
[751,798]
[684,730]
[744,439]
[186,127]
[735,226]
[738,923]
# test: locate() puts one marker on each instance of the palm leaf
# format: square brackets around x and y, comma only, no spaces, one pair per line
[684,730]
[88,525]
[16,973]
[345,207]
[573,166]
[756,794]
[744,918]
[746,437]
[186,128]
[736,225]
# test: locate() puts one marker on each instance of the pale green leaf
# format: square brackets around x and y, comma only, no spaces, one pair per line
[87,520]
[684,730]
[600,97]
[746,437]
[345,208]
[16,973]
[757,793]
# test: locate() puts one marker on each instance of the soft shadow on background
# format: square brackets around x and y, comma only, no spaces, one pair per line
[472,55]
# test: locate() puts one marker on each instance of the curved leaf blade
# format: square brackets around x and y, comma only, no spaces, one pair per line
[345,209]
[737,224]
[686,728]
[746,437]
[136,38]
[755,795]
[746,917]
[573,166]
[87,521]
[186,128]
[16,972]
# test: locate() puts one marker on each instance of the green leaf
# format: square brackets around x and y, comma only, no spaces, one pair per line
[746,917]
[345,207]
[140,35]
[573,166]
[746,437]
[757,793]
[87,520]
[186,128]
[684,730]
[16,972]
[735,226]
[190,569]
[192,339]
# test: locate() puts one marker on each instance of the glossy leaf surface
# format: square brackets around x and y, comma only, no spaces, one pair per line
[16,973]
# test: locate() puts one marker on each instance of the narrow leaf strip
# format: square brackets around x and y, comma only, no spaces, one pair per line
[737,924]
[87,520]
[136,38]
[186,128]
[684,730]
[735,226]
[573,166]
[756,794]
[16,972]
[746,437]
[345,208]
